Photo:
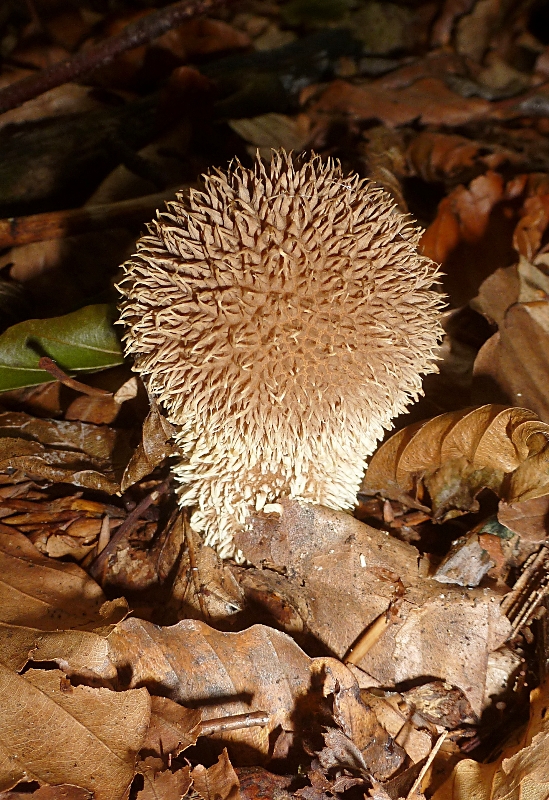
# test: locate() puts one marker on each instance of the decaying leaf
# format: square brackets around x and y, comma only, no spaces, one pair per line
[165,785]
[514,358]
[48,610]
[348,571]
[155,445]
[218,782]
[74,734]
[193,663]
[57,451]
[83,341]
[522,771]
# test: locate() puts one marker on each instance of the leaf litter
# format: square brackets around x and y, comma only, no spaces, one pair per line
[388,655]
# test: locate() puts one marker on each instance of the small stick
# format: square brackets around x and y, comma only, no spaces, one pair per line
[50,366]
[233,723]
[372,634]
[195,573]
[15,231]
[104,534]
[417,783]
[136,33]
[97,565]
[512,598]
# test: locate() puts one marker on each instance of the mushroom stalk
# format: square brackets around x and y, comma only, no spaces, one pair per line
[281,317]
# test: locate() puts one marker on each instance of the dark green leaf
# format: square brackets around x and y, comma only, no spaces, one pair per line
[84,341]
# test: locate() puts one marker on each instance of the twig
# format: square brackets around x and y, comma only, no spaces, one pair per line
[58,224]
[136,33]
[47,364]
[425,767]
[195,573]
[375,630]
[233,723]
[534,566]
[98,564]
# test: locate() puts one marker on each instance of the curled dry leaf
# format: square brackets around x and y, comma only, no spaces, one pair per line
[48,611]
[522,771]
[156,444]
[349,572]
[455,455]
[53,733]
[57,451]
[218,782]
[514,358]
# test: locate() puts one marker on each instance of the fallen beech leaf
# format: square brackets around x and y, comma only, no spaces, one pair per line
[88,737]
[359,742]
[49,609]
[514,358]
[101,409]
[427,100]
[520,772]
[59,792]
[527,518]
[348,571]
[165,785]
[272,131]
[156,444]
[471,236]
[449,157]
[58,451]
[455,455]
[192,663]
[218,782]
[173,727]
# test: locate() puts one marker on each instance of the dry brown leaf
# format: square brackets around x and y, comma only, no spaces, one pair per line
[455,455]
[60,792]
[48,610]
[53,733]
[218,782]
[165,785]
[173,727]
[514,358]
[348,572]
[359,743]
[192,663]
[427,100]
[527,518]
[154,447]
[521,772]
[58,451]
[449,157]
[101,409]
[471,234]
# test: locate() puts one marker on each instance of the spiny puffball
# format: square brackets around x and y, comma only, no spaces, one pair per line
[281,317]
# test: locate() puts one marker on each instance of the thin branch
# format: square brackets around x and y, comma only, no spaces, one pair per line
[97,566]
[15,231]
[136,33]
[50,366]
[233,723]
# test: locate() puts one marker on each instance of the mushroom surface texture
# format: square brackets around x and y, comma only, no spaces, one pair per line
[281,317]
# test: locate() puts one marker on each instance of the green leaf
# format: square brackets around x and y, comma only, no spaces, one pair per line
[84,341]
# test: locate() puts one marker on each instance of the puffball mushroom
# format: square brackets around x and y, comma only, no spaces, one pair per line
[281,317]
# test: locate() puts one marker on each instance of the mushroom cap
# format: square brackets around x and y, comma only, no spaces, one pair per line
[282,317]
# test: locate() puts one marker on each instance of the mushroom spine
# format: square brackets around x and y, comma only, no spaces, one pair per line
[282,317]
